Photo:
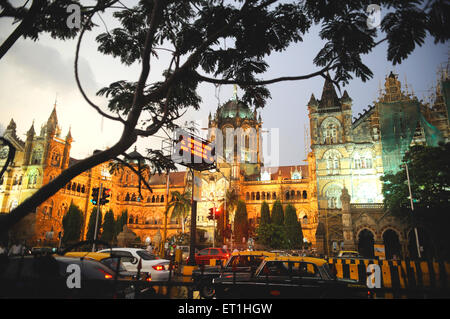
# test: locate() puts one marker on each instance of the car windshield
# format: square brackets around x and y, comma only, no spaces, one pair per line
[145,255]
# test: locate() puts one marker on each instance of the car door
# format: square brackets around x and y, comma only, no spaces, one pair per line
[127,259]
[307,281]
[213,254]
[202,256]
[272,281]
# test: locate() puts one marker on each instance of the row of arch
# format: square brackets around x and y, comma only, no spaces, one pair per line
[150,199]
[76,187]
[288,195]
[394,243]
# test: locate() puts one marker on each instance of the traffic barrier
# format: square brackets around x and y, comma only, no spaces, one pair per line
[397,274]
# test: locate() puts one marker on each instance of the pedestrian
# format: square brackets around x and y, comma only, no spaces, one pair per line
[16,249]
[150,249]
[2,250]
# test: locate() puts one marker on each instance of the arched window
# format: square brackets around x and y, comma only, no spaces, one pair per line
[363,161]
[136,221]
[253,196]
[131,219]
[32,178]
[74,186]
[83,189]
[333,195]
[153,198]
[332,158]
[133,197]
[299,196]
[330,128]
[286,196]
[292,194]
[157,198]
[127,197]
[305,195]
[258,196]
[162,198]
[263,195]
[305,220]
[78,188]
[268,196]
[330,134]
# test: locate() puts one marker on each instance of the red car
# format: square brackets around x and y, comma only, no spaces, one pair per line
[204,256]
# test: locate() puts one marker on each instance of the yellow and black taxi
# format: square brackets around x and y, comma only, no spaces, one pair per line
[240,261]
[288,277]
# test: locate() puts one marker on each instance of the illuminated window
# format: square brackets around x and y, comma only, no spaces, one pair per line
[333,194]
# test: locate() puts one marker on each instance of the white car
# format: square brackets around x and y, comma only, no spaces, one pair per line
[157,268]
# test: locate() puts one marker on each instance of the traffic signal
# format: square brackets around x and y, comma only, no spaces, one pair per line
[94,199]
[106,193]
[217,212]
[211,213]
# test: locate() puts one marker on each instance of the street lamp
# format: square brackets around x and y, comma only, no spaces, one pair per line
[412,210]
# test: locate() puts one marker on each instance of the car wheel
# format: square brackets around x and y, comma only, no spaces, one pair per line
[207,290]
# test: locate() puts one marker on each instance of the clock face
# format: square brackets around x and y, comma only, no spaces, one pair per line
[4,152]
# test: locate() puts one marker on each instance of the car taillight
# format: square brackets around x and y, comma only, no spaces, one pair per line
[149,278]
[158,267]
[107,275]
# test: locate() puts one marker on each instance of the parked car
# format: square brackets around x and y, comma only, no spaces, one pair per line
[288,277]
[156,268]
[204,256]
[112,260]
[243,261]
[49,276]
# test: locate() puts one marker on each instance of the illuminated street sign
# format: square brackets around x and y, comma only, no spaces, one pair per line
[193,152]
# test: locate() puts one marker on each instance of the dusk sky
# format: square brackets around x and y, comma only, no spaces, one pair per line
[34,74]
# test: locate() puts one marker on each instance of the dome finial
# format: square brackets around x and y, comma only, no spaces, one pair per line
[235,92]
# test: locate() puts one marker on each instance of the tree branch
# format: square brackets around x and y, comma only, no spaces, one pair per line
[265,82]
[77,78]
[26,23]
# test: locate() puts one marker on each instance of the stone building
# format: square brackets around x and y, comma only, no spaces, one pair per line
[336,190]
[352,155]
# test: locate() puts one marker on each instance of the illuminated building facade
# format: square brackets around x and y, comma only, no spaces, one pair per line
[336,191]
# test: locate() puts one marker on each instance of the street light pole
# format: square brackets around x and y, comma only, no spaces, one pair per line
[96,219]
[412,211]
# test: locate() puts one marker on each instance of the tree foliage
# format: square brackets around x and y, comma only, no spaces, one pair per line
[109,231]
[72,225]
[241,226]
[277,213]
[294,234]
[120,222]
[219,42]
[92,223]
[265,214]
[429,174]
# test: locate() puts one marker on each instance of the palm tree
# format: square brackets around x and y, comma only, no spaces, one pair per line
[180,205]
[232,199]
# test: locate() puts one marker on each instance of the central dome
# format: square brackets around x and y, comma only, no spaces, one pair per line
[234,109]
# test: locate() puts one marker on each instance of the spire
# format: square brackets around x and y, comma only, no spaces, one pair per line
[329,97]
[11,126]
[31,131]
[312,100]
[69,135]
[346,97]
